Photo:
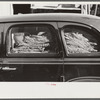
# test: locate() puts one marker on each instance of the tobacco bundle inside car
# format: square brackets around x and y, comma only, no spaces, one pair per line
[30,44]
[77,43]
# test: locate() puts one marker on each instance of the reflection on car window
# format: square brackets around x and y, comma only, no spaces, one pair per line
[31,39]
[79,41]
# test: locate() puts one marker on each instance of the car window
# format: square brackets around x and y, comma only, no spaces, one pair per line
[80,41]
[31,39]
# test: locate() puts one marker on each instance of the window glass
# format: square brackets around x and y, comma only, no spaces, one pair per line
[79,41]
[32,39]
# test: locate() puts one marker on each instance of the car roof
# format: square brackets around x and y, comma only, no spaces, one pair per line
[89,20]
[49,17]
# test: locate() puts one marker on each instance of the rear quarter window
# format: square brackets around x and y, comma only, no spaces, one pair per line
[79,41]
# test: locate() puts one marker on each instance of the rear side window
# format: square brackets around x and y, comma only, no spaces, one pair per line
[28,39]
[80,42]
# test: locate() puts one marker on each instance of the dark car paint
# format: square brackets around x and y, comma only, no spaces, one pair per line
[40,68]
[47,68]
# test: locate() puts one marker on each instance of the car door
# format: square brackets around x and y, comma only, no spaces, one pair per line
[82,50]
[33,52]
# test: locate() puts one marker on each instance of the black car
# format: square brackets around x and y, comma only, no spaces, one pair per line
[51,47]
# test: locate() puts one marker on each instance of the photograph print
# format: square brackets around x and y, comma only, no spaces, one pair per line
[49,42]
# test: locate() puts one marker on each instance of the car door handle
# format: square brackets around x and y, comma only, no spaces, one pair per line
[8,68]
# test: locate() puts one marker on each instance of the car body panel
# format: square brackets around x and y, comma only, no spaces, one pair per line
[79,18]
[36,68]
[79,65]
[48,68]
